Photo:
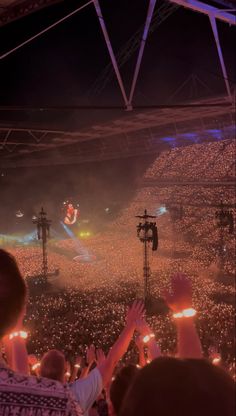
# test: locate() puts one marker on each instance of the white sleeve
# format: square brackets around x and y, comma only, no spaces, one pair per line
[86,390]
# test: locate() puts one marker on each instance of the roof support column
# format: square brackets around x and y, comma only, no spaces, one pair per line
[222,63]
[111,53]
[151,7]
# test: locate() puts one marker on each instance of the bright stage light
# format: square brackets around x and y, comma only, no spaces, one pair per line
[160,211]
[84,234]
[19,214]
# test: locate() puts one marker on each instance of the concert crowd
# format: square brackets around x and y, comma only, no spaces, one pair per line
[87,303]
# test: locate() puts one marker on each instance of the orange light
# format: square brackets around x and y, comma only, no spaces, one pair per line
[21,334]
[35,366]
[216,360]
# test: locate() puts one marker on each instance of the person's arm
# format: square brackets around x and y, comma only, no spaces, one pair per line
[139,345]
[76,368]
[15,344]
[121,345]
[148,339]
[34,364]
[180,300]
[90,360]
[189,344]
[86,390]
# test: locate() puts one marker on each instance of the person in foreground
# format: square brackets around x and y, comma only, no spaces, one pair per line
[180,387]
[21,394]
[185,386]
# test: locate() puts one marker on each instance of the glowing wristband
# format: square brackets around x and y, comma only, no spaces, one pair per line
[216,360]
[185,313]
[178,315]
[77,365]
[35,366]
[21,334]
[147,338]
[188,313]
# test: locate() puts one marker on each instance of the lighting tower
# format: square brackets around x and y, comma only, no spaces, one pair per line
[147,233]
[225,219]
[43,228]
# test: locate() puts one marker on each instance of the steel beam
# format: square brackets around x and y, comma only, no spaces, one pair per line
[45,30]
[111,53]
[219,50]
[204,8]
[151,7]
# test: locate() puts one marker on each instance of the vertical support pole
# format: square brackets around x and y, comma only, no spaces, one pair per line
[111,53]
[45,259]
[222,63]
[146,269]
[151,7]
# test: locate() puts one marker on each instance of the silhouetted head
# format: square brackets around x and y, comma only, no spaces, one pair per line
[53,365]
[174,387]
[12,293]
[120,386]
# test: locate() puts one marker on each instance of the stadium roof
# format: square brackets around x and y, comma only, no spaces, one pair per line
[127,133]
[11,10]
[133,133]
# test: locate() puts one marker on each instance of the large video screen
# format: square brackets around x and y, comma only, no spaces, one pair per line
[70,212]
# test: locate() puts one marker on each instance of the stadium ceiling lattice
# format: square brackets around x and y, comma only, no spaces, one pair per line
[25,141]
[11,10]
[133,133]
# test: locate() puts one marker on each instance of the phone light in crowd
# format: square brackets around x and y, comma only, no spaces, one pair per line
[68,374]
[77,365]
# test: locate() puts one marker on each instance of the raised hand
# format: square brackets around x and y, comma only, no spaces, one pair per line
[32,359]
[90,354]
[180,296]
[135,313]
[100,356]
[139,342]
[143,328]
[78,361]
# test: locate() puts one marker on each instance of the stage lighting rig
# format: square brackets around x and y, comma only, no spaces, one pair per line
[147,233]
[225,220]
[43,232]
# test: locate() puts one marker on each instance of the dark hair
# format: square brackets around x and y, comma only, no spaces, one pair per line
[12,292]
[53,365]
[170,386]
[121,384]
